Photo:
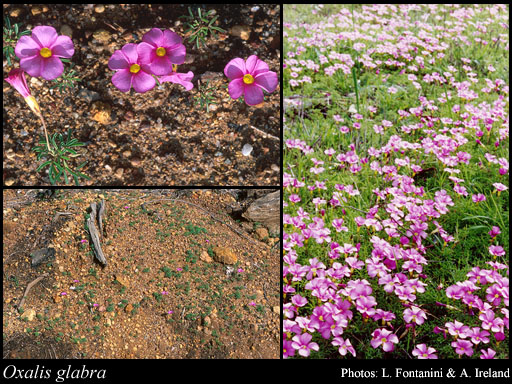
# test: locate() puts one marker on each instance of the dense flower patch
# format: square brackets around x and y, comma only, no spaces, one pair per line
[396,182]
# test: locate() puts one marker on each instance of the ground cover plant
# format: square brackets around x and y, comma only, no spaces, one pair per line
[141,94]
[396,181]
[163,293]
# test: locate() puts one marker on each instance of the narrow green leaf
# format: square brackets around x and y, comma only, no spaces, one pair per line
[81,165]
[43,165]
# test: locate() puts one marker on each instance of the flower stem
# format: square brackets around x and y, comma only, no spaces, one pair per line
[45,134]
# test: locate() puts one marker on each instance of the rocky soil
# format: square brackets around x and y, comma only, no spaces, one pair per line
[184,278]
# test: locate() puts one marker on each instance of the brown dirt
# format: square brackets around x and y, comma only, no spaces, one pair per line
[161,137]
[154,266]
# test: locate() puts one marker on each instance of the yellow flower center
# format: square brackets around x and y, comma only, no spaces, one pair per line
[134,68]
[384,340]
[174,68]
[248,79]
[160,51]
[45,52]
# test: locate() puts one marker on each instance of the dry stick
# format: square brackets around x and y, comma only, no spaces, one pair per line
[27,290]
[101,213]
[95,236]
[208,212]
[59,214]
[264,133]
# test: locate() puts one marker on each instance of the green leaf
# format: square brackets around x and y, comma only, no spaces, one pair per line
[48,162]
[73,152]
[81,165]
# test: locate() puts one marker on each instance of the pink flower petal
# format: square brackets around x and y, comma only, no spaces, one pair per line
[236,88]
[253,94]
[177,54]
[179,78]
[267,80]
[161,66]
[130,51]
[63,47]
[118,61]
[254,66]
[153,37]
[44,35]
[122,80]
[32,65]
[143,82]
[51,68]
[146,53]
[171,38]
[26,47]
[235,69]
[260,67]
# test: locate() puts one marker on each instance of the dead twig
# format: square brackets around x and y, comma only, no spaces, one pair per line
[265,133]
[95,236]
[29,287]
[60,214]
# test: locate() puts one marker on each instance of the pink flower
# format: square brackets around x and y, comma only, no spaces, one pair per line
[495,231]
[294,198]
[496,250]
[385,338]
[160,50]
[478,336]
[39,54]
[344,346]
[489,321]
[415,314]
[303,345]
[478,198]
[299,301]
[424,352]
[130,70]
[488,354]
[457,329]
[17,79]
[463,347]
[179,78]
[250,78]
[494,294]
[500,187]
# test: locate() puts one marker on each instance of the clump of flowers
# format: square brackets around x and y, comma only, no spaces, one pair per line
[137,65]
[379,213]
[40,55]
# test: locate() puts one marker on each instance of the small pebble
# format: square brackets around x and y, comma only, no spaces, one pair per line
[247,149]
